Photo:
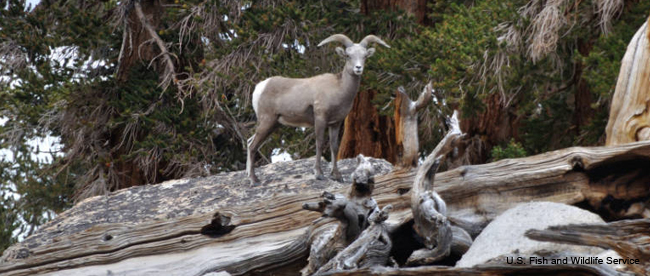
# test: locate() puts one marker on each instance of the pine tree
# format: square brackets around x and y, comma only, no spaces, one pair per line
[143,91]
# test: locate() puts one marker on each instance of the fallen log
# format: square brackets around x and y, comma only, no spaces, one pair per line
[134,232]
[629,238]
[481,270]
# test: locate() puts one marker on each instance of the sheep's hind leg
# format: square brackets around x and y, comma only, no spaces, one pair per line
[334,149]
[261,133]
[319,129]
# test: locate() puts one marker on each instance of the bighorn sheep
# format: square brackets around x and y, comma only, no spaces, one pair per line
[320,101]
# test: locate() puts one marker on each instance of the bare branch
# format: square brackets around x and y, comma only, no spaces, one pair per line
[608,10]
[545,30]
[425,97]
[169,75]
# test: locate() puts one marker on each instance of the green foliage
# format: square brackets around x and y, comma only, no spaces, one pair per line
[8,220]
[119,131]
[511,150]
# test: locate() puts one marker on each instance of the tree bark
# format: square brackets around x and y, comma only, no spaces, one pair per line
[495,125]
[269,229]
[368,133]
[629,116]
[406,126]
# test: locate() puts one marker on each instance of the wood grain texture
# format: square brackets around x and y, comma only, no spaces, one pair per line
[367,132]
[429,210]
[406,125]
[629,238]
[482,270]
[155,230]
[629,116]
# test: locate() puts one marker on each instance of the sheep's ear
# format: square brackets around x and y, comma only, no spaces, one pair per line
[371,51]
[341,51]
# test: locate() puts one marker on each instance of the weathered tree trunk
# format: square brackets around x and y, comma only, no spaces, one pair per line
[406,125]
[158,228]
[429,210]
[629,116]
[629,238]
[495,125]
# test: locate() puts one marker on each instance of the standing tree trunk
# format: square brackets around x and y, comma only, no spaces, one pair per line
[368,133]
[406,125]
[495,125]
[629,117]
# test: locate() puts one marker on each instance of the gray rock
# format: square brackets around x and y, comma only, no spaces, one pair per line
[504,236]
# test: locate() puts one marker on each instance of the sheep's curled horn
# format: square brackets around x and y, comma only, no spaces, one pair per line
[347,42]
[371,38]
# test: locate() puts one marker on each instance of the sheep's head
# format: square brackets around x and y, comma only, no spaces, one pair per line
[355,54]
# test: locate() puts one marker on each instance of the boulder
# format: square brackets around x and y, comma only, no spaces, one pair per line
[504,237]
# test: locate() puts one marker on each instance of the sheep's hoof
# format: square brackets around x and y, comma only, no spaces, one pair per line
[255,183]
[321,177]
[337,177]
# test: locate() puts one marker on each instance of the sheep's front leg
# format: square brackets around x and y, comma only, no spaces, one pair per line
[319,129]
[334,148]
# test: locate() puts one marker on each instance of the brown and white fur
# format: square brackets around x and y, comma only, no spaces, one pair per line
[320,101]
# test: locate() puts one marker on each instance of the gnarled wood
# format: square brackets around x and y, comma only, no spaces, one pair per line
[355,212]
[406,125]
[460,243]
[629,238]
[429,210]
[157,229]
[629,116]
[371,249]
